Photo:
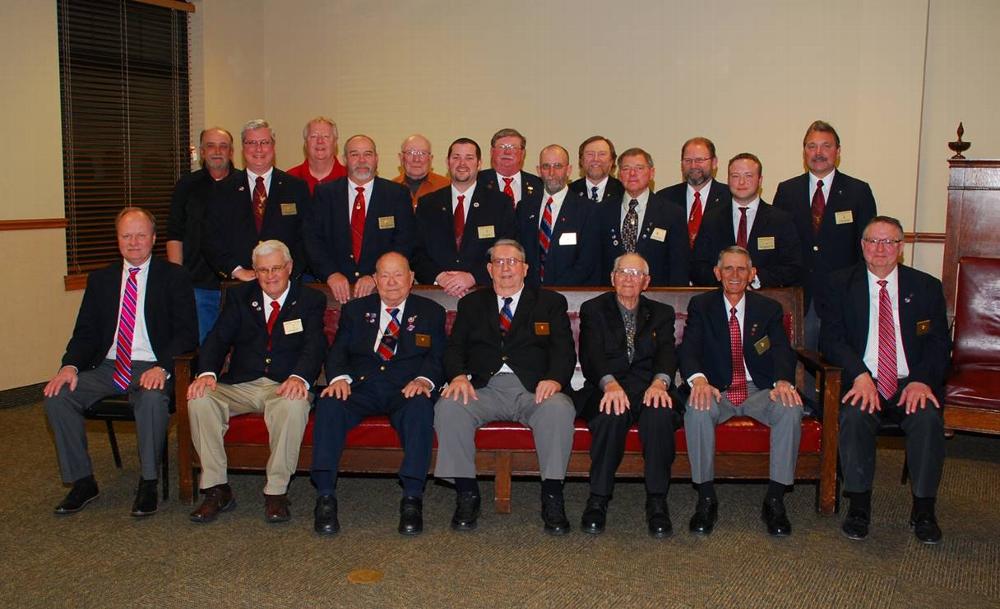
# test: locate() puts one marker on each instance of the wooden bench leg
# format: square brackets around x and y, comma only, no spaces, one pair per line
[501,483]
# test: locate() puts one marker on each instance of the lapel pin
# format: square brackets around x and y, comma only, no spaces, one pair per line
[475,203]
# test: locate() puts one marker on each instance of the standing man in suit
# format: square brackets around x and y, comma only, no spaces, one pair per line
[699,192]
[356,219]
[628,358]
[385,359]
[257,204]
[319,138]
[830,210]
[644,223]
[506,161]
[136,315]
[458,224]
[509,356]
[884,323]
[559,227]
[415,161]
[749,222]
[274,328]
[738,362]
[597,162]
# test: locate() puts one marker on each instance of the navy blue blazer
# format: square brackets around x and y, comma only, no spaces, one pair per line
[574,256]
[389,227]
[490,217]
[662,241]
[613,190]
[530,183]
[707,349]
[778,263]
[718,196]
[296,348]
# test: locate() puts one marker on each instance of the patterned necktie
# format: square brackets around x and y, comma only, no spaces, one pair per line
[544,237]
[459,222]
[741,232]
[629,320]
[387,346]
[887,372]
[593,194]
[630,228]
[737,393]
[694,220]
[818,205]
[507,190]
[272,318]
[259,202]
[358,223]
[506,316]
[126,327]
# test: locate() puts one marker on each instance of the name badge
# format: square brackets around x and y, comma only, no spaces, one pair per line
[487,232]
[923,327]
[386,222]
[422,340]
[762,345]
[659,234]
[844,217]
[289,209]
[292,326]
[567,239]
[541,328]
[765,243]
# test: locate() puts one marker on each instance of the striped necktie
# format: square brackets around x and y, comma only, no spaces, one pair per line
[506,316]
[887,373]
[126,328]
[387,346]
[544,238]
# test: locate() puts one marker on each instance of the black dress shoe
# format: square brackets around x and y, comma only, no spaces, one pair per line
[554,514]
[595,515]
[925,527]
[145,499]
[325,520]
[775,517]
[411,516]
[856,524]
[83,492]
[706,512]
[217,499]
[466,511]
[658,517]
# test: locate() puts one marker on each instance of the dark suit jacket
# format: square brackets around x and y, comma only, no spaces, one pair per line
[232,234]
[668,259]
[613,190]
[718,196]
[188,210]
[565,265]
[838,244]
[530,183]
[242,326]
[388,228]
[353,351]
[778,266]
[706,347]
[168,310]
[844,332]
[435,244]
[539,345]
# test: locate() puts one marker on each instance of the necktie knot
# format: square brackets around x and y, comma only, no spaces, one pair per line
[393,312]
[507,300]
[743,210]
[593,193]
[507,181]
[732,313]
[819,183]
[697,196]
[461,199]
[633,204]
[259,181]
[275,305]
[882,283]
[134,270]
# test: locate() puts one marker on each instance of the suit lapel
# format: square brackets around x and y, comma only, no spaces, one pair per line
[613,320]
[524,307]
[642,316]
[473,219]
[858,294]
[907,313]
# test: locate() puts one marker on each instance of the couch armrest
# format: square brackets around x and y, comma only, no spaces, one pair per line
[828,381]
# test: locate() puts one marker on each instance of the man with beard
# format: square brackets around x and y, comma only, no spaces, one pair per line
[321,164]
[415,160]
[700,191]
[507,159]
[597,162]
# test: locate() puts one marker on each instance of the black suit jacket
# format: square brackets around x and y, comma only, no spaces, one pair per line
[538,346]
[488,212]
[419,350]
[613,190]
[778,265]
[569,264]
[389,227]
[168,311]
[718,196]
[838,245]
[242,327]
[530,183]
[923,324]
[707,349]
[667,257]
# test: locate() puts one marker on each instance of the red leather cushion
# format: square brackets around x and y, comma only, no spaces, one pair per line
[977,313]
[976,386]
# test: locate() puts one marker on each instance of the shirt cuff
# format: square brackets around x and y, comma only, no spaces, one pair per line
[606,380]
[342,377]
[211,374]
[691,379]
[429,382]
[660,376]
[301,379]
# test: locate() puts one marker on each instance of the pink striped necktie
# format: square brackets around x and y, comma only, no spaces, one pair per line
[126,329]
[887,372]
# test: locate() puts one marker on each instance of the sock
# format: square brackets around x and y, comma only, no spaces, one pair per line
[775,490]
[706,490]
[552,487]
[467,485]
[923,505]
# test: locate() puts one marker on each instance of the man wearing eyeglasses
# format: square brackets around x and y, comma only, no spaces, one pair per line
[506,161]
[597,163]
[274,330]
[885,324]
[628,358]
[319,138]
[700,191]
[415,161]
[509,357]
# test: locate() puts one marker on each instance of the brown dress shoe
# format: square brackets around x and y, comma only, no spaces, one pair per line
[217,499]
[276,508]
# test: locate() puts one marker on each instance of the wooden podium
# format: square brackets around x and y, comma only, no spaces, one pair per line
[973,223]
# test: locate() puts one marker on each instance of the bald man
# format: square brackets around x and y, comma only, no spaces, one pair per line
[415,161]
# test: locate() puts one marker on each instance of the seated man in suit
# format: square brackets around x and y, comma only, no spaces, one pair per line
[559,227]
[321,164]
[628,357]
[415,161]
[884,323]
[737,360]
[380,364]
[457,225]
[509,356]
[644,223]
[274,328]
[597,163]
[354,220]
[136,315]
[505,175]
[749,222]
[700,191]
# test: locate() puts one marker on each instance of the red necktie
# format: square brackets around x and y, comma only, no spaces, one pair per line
[272,318]
[387,346]
[887,372]
[459,222]
[506,316]
[259,202]
[126,327]
[694,221]
[818,205]
[741,232]
[737,393]
[507,190]
[358,223]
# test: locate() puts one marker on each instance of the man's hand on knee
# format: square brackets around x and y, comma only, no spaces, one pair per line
[66,375]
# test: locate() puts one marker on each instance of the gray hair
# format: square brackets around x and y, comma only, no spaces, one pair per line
[269,247]
[509,242]
[734,249]
[619,259]
[257,123]
[636,152]
[320,119]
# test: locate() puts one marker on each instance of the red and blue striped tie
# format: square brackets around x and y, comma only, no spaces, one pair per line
[126,327]
[544,237]
[387,346]
[506,316]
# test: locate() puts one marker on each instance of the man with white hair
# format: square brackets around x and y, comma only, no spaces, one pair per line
[319,141]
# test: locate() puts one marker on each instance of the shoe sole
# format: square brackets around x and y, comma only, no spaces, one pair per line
[326,532]
[591,530]
[557,532]
[60,512]
[410,533]
[224,508]
[663,535]
[141,514]
[853,537]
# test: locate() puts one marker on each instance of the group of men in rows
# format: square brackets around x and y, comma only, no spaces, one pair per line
[510,354]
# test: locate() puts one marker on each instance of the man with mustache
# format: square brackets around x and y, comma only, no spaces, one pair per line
[597,162]
[320,143]
[506,160]
[700,191]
